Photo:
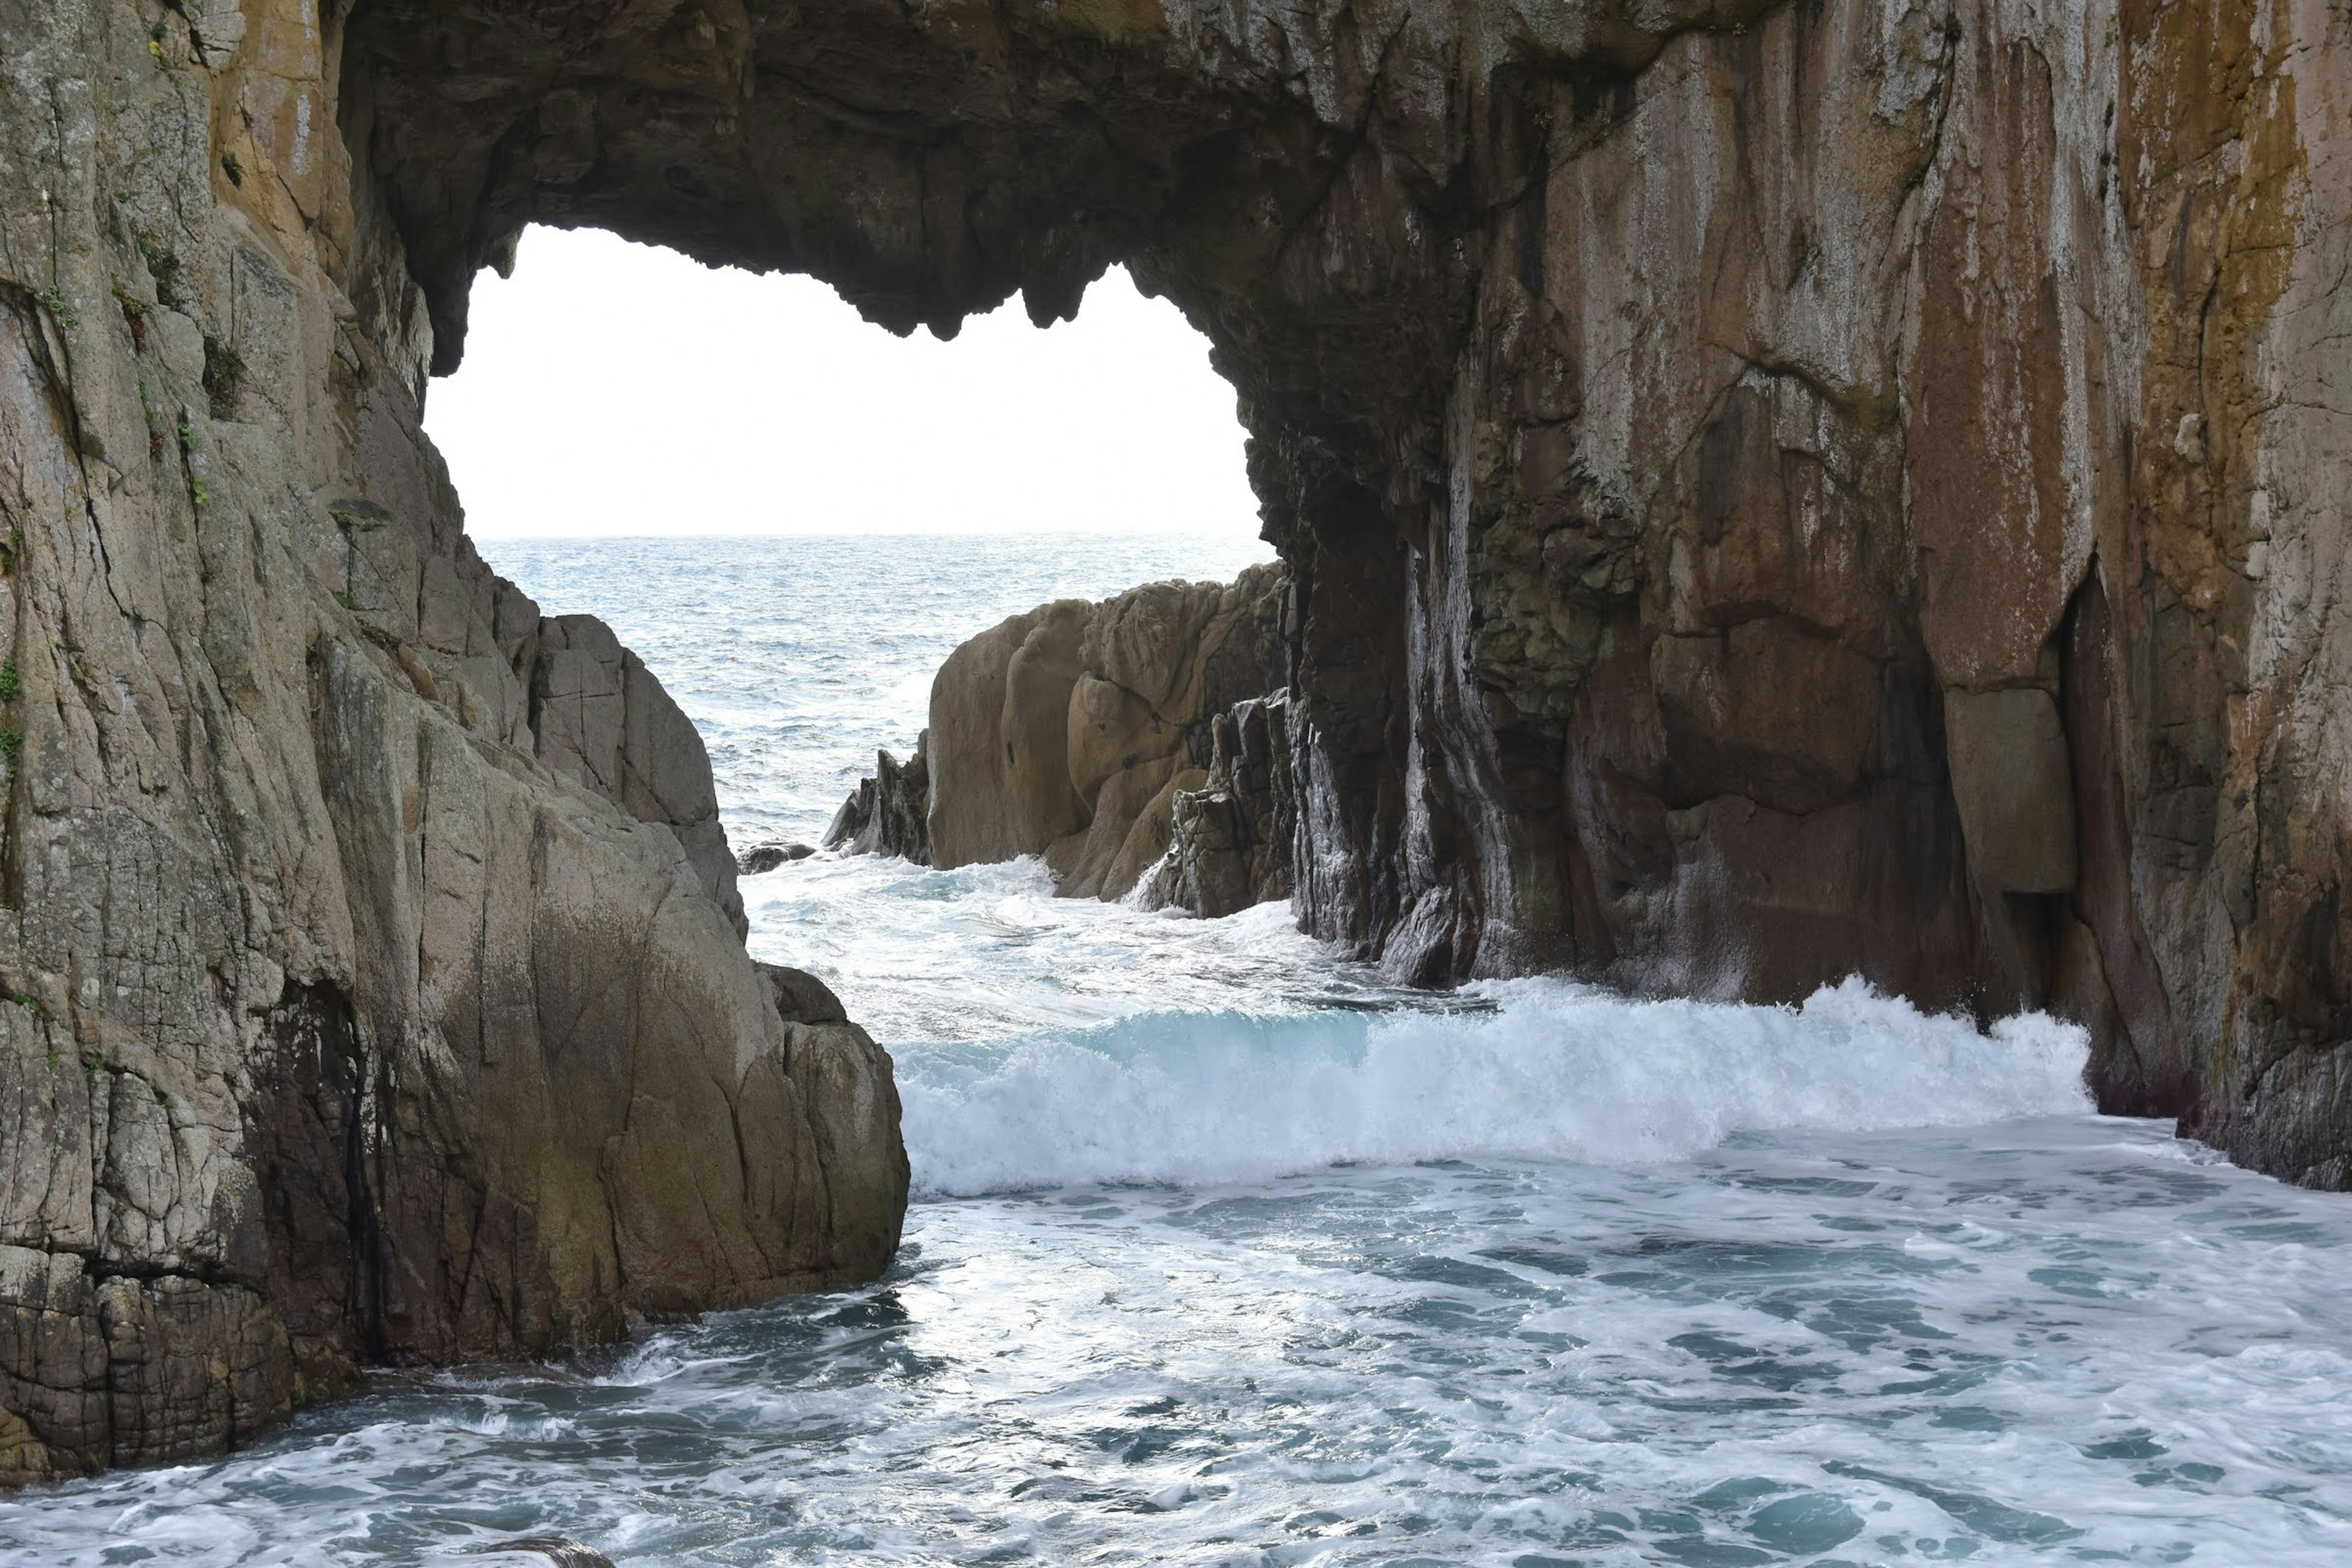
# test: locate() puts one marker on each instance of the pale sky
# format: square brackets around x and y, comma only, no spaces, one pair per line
[616,388]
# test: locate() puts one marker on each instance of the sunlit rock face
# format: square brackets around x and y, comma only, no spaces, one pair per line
[1749,474]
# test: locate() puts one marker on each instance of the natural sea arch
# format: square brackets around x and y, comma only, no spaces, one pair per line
[1770,491]
[1698,430]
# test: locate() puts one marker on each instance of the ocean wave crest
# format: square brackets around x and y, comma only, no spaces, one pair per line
[1554,1072]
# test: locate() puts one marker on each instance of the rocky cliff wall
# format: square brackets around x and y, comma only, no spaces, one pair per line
[1773,488]
[374,981]
[1776,487]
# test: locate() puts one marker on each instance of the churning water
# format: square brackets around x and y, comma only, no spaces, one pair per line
[1222,1254]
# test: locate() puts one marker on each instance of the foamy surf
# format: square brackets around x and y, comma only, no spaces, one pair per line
[1555,1071]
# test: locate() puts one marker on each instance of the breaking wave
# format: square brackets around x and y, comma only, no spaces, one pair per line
[1549,1070]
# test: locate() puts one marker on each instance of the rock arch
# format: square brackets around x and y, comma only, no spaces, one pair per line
[1775,488]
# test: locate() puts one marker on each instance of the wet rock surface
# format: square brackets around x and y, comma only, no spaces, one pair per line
[1232,839]
[760,858]
[1708,442]
[888,813]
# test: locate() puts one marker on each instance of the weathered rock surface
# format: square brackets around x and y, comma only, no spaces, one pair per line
[1672,416]
[1232,838]
[375,974]
[764,857]
[888,813]
[1677,419]
[1072,732]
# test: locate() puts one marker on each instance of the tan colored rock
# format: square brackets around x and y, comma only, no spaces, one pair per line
[1035,726]
[1120,802]
[999,759]
[1112,729]
[1101,705]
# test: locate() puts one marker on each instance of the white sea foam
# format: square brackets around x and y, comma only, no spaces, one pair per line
[1674,1283]
[1555,1071]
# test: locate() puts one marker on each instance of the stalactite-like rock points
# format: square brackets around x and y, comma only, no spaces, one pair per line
[1769,491]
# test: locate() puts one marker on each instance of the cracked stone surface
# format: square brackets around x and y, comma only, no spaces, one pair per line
[1670,413]
[373,971]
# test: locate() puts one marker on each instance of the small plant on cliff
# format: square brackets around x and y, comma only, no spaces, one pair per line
[340,598]
[234,169]
[9,684]
[56,300]
[12,745]
[163,266]
[155,424]
[198,491]
[135,311]
[224,376]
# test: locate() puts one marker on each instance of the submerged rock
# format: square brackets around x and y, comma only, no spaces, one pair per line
[764,857]
[540,1551]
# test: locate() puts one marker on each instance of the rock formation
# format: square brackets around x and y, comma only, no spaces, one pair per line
[1072,730]
[1232,838]
[888,813]
[762,858]
[374,969]
[1758,477]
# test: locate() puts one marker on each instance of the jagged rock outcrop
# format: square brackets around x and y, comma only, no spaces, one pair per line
[1708,440]
[375,981]
[1070,731]
[1232,839]
[888,813]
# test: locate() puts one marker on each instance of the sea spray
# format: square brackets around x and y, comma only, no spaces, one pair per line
[1554,1071]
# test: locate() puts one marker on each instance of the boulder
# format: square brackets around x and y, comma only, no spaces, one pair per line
[764,857]
[1099,707]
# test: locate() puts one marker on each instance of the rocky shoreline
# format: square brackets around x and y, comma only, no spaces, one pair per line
[1768,489]
[373,988]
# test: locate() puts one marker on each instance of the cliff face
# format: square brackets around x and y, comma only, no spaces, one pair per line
[374,974]
[1771,490]
[1774,489]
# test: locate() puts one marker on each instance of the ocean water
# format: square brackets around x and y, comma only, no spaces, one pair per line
[1224,1254]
